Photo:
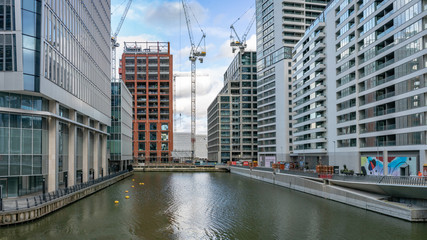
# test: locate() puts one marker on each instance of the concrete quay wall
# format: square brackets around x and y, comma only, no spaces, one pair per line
[372,202]
[179,169]
[36,212]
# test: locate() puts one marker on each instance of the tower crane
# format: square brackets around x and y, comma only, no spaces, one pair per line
[197,52]
[115,44]
[240,42]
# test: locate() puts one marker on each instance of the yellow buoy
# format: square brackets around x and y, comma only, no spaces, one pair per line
[116,202]
[133,180]
[127,197]
[126,191]
[133,186]
[142,183]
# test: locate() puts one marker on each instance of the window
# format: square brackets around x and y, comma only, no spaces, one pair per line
[153,126]
[7,15]
[153,136]
[153,147]
[31,33]
[164,147]
[141,136]
[165,126]
[165,136]
[8,52]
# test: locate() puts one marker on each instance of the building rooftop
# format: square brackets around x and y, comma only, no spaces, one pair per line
[146,47]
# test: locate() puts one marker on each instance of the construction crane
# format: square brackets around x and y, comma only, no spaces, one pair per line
[240,42]
[174,91]
[197,52]
[115,44]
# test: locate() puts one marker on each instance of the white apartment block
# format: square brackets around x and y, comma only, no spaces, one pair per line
[360,87]
[280,25]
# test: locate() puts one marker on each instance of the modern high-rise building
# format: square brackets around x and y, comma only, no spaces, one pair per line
[54,93]
[232,116]
[280,25]
[120,139]
[146,69]
[360,87]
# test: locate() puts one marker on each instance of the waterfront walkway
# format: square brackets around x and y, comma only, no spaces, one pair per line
[38,198]
[400,197]
[409,187]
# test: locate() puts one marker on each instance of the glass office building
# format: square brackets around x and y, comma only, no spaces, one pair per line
[54,93]
[120,139]
[232,116]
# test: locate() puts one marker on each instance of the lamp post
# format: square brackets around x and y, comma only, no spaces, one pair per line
[44,189]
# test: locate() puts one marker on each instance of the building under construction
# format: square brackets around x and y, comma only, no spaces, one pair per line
[146,69]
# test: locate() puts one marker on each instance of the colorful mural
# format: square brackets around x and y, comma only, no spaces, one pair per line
[372,165]
[375,165]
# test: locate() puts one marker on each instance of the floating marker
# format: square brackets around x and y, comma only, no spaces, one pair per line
[133,186]
[126,191]
[116,202]
[133,180]
[127,197]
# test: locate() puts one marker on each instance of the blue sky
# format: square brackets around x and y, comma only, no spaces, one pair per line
[164,21]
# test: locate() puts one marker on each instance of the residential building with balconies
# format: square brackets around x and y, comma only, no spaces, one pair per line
[146,70]
[375,85]
[280,25]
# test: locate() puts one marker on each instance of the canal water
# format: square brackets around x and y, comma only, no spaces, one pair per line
[210,206]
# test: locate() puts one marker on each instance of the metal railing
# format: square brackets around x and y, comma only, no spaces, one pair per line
[24,202]
[389,180]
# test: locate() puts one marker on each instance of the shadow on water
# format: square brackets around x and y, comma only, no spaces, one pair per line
[210,206]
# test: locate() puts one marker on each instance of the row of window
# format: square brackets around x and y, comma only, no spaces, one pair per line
[153,146]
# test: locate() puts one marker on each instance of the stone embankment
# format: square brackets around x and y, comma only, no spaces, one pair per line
[179,168]
[9,217]
[323,188]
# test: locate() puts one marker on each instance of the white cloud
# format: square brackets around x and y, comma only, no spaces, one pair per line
[167,17]
[251,42]
[223,54]
[207,89]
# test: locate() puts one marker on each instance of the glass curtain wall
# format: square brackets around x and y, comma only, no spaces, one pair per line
[63,154]
[23,153]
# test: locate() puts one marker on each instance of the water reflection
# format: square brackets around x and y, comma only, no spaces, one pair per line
[210,206]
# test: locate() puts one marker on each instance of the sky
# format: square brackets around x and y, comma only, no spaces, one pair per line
[164,21]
